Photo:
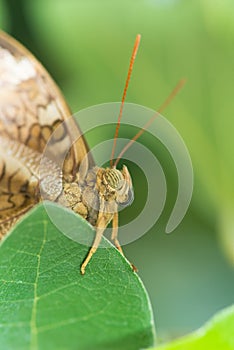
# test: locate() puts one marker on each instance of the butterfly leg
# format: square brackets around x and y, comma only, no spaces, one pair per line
[114,235]
[101,225]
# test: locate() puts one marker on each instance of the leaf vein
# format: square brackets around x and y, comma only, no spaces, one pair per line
[33,325]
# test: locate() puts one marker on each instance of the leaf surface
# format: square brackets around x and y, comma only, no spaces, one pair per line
[45,303]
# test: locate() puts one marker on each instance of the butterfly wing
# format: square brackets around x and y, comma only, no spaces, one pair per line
[31,109]
[16,195]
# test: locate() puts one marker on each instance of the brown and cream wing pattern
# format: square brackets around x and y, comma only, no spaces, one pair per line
[31,109]
[32,106]
[17,189]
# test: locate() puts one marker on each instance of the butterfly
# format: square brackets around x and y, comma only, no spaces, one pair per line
[32,112]
[31,109]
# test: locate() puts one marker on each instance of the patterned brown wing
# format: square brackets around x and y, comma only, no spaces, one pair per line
[20,176]
[32,107]
[17,189]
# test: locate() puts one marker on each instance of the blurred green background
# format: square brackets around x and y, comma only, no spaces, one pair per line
[86,46]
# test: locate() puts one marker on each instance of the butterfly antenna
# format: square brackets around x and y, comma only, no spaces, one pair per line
[172,95]
[134,52]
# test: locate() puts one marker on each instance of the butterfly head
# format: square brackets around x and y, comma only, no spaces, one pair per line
[120,183]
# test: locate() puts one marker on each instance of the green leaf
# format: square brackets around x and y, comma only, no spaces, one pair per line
[45,303]
[218,333]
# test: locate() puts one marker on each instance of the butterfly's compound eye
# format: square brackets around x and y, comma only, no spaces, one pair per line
[120,182]
[114,178]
